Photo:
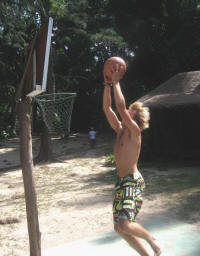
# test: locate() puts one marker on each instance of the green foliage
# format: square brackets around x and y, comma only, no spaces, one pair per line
[46,8]
[111,159]
[16,28]
[156,38]
[85,38]
[163,34]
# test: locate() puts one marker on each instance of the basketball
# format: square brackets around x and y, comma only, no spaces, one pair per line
[114,62]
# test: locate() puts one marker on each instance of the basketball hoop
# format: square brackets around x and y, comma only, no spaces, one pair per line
[56,111]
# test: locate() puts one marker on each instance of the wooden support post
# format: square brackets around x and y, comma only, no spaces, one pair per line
[26,158]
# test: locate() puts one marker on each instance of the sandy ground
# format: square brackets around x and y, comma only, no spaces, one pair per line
[75,193]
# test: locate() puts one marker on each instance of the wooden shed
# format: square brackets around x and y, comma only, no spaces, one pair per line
[175,117]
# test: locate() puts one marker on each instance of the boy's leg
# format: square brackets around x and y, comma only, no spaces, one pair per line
[135,243]
[136,230]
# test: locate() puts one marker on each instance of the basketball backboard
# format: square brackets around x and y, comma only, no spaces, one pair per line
[40,59]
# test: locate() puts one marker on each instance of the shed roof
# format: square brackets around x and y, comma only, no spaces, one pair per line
[182,89]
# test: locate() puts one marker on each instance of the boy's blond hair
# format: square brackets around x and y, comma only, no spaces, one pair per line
[141,116]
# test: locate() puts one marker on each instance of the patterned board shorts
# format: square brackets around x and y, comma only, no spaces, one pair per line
[128,197]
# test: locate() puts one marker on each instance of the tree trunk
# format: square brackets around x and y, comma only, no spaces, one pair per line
[26,159]
[45,153]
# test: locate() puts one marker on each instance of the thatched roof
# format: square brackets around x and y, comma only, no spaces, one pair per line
[182,89]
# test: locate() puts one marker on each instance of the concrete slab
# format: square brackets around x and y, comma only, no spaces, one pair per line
[176,239]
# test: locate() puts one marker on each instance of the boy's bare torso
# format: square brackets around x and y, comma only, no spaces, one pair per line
[127,150]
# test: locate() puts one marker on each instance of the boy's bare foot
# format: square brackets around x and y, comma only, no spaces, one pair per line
[155,247]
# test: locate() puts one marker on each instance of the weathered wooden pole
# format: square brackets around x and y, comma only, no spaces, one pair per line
[32,83]
[26,159]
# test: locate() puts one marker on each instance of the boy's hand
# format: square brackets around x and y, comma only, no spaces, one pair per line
[116,72]
[107,78]
[114,69]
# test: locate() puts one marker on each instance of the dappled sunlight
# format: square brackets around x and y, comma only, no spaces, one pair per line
[74,198]
[9,156]
[6,150]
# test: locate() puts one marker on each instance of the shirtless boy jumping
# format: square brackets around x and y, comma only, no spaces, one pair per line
[130,183]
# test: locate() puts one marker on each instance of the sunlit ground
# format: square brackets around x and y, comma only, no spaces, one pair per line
[175,238]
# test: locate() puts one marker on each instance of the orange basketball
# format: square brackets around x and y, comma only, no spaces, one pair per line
[114,62]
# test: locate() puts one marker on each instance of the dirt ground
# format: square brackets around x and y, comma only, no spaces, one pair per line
[75,193]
